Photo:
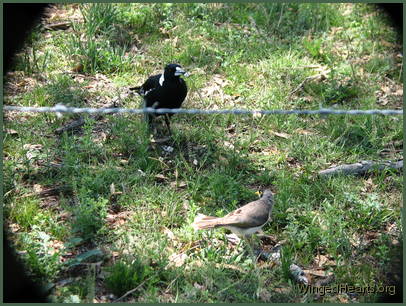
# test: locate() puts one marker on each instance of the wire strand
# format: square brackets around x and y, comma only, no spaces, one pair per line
[322,111]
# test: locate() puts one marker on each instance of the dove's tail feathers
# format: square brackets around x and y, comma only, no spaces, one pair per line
[204,222]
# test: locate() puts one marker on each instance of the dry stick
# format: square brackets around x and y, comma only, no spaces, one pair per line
[49,191]
[58,26]
[362,168]
[131,291]
[70,126]
[309,78]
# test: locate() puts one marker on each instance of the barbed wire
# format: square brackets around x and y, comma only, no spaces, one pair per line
[322,111]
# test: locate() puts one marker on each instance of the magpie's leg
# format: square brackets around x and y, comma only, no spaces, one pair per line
[150,117]
[168,123]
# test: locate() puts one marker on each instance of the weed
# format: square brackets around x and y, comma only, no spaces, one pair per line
[32,59]
[40,254]
[125,276]
[89,216]
[94,51]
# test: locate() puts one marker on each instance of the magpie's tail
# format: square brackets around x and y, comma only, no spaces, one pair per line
[137,89]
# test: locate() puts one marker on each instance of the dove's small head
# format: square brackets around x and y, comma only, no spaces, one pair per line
[267,195]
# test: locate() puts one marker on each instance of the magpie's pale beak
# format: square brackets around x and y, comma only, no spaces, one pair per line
[180,71]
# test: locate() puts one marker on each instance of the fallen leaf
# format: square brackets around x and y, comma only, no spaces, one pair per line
[161,177]
[392,229]
[64,216]
[198,286]
[355,240]
[219,79]
[342,298]
[33,150]
[336,30]
[159,140]
[10,132]
[304,132]
[281,134]
[320,273]
[228,145]
[177,260]
[386,43]
[265,295]
[142,173]
[322,260]
[372,235]
[270,151]
[56,246]
[395,242]
[282,290]
[14,227]
[186,205]
[325,281]
[175,42]
[169,233]
[229,266]
[29,146]
[78,68]
[180,184]
[38,188]
[112,188]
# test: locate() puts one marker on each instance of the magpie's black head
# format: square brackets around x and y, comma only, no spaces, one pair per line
[174,70]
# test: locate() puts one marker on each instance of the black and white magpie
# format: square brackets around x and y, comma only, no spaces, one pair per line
[166,90]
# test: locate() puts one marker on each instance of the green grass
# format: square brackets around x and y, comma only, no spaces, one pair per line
[126,205]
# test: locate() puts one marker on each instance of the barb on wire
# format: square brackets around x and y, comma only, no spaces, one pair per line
[322,111]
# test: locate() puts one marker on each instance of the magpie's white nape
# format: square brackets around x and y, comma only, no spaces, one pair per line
[166,90]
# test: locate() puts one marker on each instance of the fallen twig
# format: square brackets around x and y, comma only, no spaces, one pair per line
[49,191]
[131,291]
[58,26]
[70,126]
[362,167]
[309,78]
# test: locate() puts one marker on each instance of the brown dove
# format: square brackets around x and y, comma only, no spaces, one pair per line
[243,221]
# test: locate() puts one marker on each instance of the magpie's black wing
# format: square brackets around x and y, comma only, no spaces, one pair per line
[150,84]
